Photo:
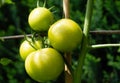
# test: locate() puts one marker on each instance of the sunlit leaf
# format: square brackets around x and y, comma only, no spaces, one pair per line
[1,39]
[8,1]
[2,2]
[118,50]
[5,61]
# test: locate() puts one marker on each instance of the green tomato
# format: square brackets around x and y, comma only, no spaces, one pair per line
[44,65]
[40,19]
[26,48]
[65,35]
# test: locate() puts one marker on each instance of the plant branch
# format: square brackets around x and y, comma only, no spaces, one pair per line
[102,32]
[14,37]
[68,75]
[88,17]
[103,46]
[105,32]
[66,8]
[84,45]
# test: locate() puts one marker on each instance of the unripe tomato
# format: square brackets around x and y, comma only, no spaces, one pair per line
[26,48]
[65,35]
[40,19]
[44,65]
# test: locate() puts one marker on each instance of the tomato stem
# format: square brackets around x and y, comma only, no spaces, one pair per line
[51,7]
[84,45]
[30,42]
[38,3]
[44,3]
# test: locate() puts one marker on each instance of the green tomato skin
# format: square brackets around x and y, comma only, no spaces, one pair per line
[65,35]
[44,65]
[40,19]
[25,47]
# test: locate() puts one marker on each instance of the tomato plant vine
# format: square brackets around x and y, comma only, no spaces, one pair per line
[84,45]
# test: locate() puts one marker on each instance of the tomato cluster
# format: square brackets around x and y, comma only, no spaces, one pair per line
[44,63]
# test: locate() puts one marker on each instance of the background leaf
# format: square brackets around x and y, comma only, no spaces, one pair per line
[5,61]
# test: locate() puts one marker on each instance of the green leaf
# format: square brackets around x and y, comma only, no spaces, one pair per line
[5,61]
[1,39]
[8,1]
[118,50]
[2,2]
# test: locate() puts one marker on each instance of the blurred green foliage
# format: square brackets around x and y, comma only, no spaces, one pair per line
[101,65]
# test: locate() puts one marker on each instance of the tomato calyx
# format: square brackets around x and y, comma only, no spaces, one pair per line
[38,36]
[32,40]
